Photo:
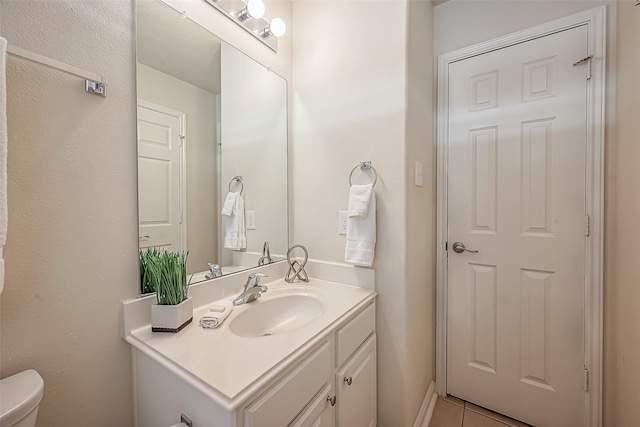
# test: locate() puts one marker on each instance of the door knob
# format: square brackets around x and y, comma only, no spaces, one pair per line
[348,380]
[458,247]
[332,400]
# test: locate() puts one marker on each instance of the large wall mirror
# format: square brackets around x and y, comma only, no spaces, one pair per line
[211,121]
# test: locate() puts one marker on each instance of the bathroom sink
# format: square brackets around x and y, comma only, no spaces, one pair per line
[276,316]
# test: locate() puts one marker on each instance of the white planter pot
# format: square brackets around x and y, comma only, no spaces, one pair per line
[171,318]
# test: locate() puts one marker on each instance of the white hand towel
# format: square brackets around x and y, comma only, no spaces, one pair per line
[229,204]
[361,230]
[3,155]
[235,236]
[359,198]
[216,314]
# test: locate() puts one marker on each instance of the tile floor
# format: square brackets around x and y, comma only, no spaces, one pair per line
[453,412]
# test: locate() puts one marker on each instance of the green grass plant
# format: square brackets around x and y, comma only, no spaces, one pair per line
[165,273]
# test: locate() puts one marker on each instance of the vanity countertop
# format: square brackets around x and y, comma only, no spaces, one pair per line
[230,367]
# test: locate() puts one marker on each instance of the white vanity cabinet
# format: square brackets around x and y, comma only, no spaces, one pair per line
[356,388]
[322,374]
[344,395]
[283,402]
[355,379]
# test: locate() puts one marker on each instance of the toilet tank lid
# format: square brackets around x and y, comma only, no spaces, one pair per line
[19,394]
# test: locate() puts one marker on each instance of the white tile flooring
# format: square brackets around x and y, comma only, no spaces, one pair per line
[453,412]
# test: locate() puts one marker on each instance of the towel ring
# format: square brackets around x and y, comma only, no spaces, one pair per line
[239,179]
[363,166]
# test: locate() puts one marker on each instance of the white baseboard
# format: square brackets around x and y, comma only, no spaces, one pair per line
[426,409]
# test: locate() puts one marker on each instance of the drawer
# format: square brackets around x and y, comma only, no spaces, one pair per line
[319,413]
[289,396]
[352,335]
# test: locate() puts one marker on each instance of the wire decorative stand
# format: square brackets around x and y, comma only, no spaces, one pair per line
[296,271]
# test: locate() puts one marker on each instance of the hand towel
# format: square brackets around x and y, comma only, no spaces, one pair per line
[216,314]
[361,228]
[229,203]
[359,198]
[3,155]
[235,235]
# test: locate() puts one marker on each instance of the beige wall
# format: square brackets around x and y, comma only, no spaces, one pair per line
[199,106]
[359,97]
[622,293]
[421,204]
[462,23]
[71,254]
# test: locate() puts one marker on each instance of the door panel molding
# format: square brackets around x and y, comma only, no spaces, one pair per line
[595,20]
[182,117]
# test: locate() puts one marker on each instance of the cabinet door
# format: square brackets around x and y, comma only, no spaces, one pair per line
[279,405]
[356,388]
[319,413]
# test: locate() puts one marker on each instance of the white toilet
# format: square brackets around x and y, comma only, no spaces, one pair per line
[20,396]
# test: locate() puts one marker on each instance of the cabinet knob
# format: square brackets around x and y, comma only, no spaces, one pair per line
[332,400]
[348,380]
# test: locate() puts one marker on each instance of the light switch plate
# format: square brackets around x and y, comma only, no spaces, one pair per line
[342,222]
[251,220]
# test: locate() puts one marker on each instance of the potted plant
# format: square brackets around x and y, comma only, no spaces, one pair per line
[165,273]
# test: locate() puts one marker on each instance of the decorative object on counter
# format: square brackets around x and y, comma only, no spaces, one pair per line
[166,273]
[216,314]
[266,255]
[235,233]
[146,260]
[361,220]
[296,269]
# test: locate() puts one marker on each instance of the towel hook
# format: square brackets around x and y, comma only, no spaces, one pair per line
[239,180]
[363,166]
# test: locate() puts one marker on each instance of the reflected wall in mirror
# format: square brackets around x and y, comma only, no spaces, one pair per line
[206,114]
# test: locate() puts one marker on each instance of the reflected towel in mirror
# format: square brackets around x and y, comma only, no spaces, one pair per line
[235,234]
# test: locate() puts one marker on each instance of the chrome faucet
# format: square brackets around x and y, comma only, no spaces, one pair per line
[252,289]
[214,271]
[266,254]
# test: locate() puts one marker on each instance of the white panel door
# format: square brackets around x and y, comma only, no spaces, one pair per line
[516,194]
[159,179]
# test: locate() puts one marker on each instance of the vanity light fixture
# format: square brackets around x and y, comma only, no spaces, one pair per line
[249,16]
[254,9]
[277,28]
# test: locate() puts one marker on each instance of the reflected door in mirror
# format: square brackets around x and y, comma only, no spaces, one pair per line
[160,179]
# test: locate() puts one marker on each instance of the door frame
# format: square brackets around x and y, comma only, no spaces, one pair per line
[595,19]
[182,117]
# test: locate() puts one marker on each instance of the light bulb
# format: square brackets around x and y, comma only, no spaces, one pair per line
[255,8]
[277,27]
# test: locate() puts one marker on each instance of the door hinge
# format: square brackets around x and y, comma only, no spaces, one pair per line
[587,225]
[587,61]
[446,246]
[586,380]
